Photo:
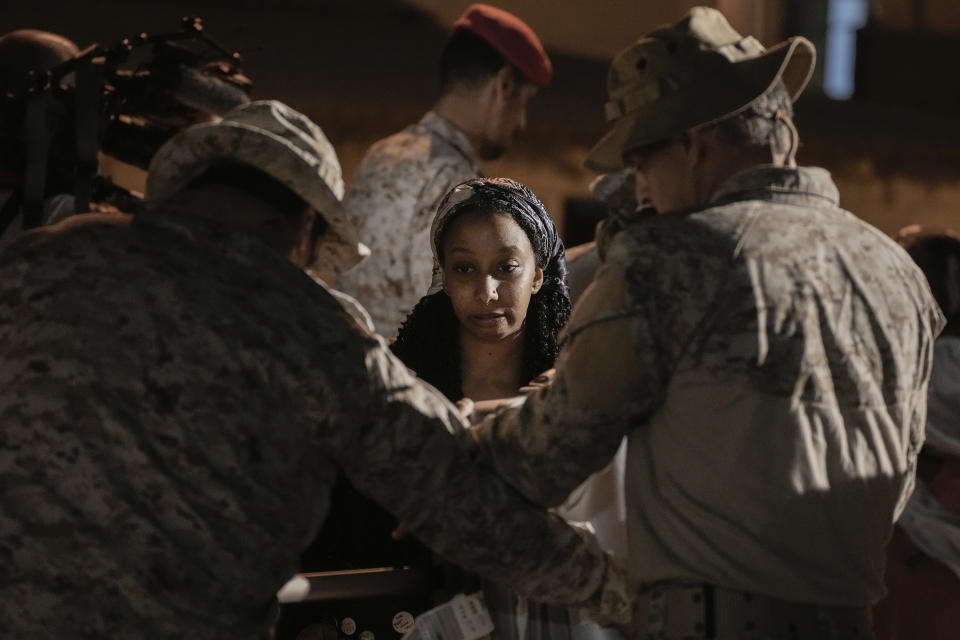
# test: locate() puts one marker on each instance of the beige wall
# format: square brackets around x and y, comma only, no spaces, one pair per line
[600,28]
[894,201]
[596,28]
[761,19]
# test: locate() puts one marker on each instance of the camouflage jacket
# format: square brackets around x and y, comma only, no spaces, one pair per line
[175,403]
[392,201]
[768,358]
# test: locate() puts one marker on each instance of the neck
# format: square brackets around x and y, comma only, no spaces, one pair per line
[491,369]
[463,109]
[223,204]
[727,164]
[238,209]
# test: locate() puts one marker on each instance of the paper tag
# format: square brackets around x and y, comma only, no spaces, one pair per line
[462,618]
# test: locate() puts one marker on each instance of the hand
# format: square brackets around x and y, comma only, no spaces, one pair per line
[465,407]
[399,532]
[483,408]
[542,380]
[637,626]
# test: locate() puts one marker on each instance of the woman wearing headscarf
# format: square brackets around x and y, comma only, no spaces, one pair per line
[923,556]
[489,325]
[499,297]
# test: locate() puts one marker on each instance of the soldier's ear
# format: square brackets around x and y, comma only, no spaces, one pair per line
[310,234]
[506,82]
[694,144]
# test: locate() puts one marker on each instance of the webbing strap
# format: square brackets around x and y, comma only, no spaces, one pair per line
[38,149]
[89,76]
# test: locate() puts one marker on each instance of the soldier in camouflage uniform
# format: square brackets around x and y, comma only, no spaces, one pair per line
[766,353]
[177,395]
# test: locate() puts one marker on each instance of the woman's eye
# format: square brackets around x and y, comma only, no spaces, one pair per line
[508,267]
[462,267]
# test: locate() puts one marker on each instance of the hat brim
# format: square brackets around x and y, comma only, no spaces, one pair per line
[718,97]
[191,152]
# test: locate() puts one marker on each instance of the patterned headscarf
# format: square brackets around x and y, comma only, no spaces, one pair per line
[508,196]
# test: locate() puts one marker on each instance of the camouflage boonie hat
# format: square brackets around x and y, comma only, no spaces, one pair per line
[282,143]
[692,73]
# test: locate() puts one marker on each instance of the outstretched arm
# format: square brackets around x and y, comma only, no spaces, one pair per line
[407,458]
[610,377]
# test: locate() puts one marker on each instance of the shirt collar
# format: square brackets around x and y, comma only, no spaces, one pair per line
[804,185]
[443,128]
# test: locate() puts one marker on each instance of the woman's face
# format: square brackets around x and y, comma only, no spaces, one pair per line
[490,273]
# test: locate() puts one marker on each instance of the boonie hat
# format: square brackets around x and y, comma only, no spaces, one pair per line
[512,37]
[282,143]
[689,74]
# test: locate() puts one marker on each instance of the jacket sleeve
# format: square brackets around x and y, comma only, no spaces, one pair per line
[407,457]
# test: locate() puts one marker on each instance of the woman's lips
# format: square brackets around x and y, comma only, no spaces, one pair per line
[488,319]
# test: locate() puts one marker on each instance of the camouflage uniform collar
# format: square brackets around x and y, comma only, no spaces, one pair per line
[443,128]
[810,186]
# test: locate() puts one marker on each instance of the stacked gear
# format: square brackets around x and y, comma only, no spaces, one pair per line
[26,55]
[124,102]
[186,78]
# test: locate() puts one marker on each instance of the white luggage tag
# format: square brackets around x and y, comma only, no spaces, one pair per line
[462,618]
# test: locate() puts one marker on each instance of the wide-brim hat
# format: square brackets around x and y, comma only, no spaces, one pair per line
[690,74]
[281,142]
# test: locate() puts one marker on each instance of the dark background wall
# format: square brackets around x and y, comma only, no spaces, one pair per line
[365,68]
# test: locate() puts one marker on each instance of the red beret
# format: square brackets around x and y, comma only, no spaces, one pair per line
[512,37]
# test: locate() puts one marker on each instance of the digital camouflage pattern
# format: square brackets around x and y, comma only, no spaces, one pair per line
[176,401]
[768,358]
[392,201]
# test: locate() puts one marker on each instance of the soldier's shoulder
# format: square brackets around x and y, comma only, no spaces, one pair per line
[393,168]
[69,245]
[662,236]
[411,145]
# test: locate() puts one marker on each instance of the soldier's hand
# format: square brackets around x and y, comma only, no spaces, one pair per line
[483,408]
[542,380]
[635,628]
[465,407]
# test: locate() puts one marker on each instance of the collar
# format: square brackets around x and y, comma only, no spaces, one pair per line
[176,219]
[443,128]
[810,186]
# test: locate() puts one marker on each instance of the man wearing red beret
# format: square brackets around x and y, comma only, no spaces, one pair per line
[492,64]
